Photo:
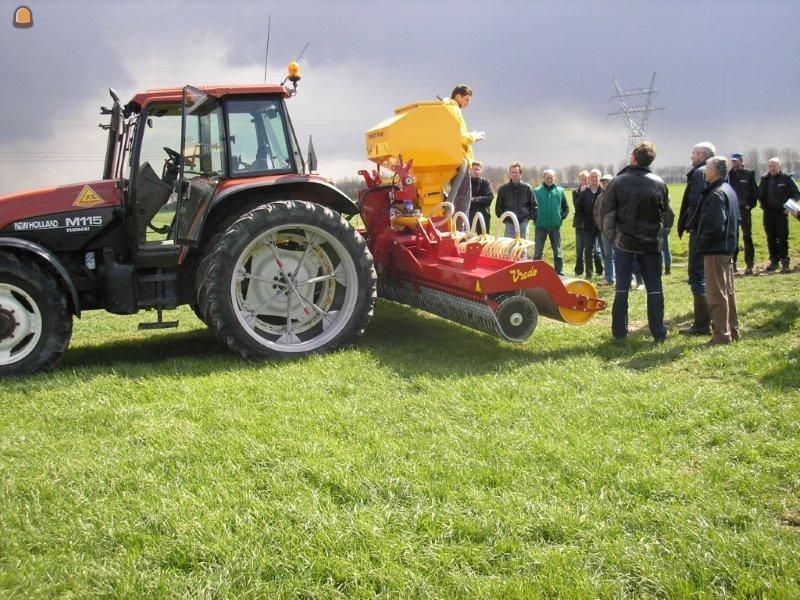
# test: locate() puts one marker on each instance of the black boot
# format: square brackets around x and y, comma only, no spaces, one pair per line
[702,320]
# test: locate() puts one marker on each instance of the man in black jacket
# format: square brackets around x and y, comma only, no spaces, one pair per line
[482,195]
[695,184]
[716,227]
[743,182]
[584,210]
[774,190]
[516,196]
[636,213]
[583,182]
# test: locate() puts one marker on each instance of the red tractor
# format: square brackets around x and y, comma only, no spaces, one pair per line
[237,226]
[205,200]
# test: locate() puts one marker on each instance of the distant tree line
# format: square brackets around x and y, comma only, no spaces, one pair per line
[753,159]
[568,176]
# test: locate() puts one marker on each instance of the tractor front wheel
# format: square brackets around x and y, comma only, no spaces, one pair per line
[288,279]
[35,319]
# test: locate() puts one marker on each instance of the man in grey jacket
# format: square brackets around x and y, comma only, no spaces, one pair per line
[716,226]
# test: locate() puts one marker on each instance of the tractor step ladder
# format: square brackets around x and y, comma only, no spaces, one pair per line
[160,324]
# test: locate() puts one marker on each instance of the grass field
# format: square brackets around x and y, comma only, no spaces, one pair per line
[428,461]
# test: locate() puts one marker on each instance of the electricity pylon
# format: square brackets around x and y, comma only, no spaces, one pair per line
[636,129]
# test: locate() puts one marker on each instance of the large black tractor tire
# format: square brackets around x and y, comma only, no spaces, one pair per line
[205,262]
[285,280]
[35,318]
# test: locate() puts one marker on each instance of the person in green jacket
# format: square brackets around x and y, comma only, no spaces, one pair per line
[553,209]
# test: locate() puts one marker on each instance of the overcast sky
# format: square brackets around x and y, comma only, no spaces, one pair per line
[542,73]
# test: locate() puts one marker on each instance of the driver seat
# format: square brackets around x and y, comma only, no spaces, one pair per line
[260,163]
[151,194]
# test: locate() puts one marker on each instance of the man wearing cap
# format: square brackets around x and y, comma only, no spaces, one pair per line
[743,182]
[606,246]
[774,190]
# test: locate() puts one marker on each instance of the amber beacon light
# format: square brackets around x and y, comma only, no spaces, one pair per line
[23,18]
[294,72]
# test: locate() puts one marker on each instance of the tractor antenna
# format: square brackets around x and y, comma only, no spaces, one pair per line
[303,51]
[299,56]
[266,53]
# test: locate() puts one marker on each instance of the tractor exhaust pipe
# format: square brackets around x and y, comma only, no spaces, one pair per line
[114,128]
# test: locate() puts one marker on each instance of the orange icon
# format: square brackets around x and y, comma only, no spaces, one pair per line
[23,18]
[87,197]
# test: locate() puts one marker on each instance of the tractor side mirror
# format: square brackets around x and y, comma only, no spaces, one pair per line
[312,157]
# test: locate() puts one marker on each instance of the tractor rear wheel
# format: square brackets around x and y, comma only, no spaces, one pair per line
[287,279]
[35,319]
[205,262]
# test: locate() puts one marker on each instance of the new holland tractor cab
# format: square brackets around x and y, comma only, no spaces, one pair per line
[205,200]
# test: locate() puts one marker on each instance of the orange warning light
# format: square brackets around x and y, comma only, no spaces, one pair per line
[294,72]
[23,18]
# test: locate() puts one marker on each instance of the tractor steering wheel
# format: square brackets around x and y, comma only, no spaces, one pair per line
[173,155]
[171,166]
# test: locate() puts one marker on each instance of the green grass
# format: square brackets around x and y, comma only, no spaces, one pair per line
[429,461]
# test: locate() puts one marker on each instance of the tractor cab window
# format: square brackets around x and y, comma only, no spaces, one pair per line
[258,140]
[203,145]
[203,162]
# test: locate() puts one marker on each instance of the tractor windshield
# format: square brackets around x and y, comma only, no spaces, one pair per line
[258,137]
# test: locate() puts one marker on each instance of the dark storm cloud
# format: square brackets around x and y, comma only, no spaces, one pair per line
[64,59]
[541,71]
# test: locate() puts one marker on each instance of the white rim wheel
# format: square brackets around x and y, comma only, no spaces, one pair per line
[294,288]
[20,324]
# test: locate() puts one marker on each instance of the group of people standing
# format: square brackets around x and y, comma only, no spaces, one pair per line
[622,226]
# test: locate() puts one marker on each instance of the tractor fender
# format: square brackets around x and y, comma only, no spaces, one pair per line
[294,188]
[45,255]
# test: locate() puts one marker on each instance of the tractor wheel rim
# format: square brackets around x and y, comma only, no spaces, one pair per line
[294,288]
[20,324]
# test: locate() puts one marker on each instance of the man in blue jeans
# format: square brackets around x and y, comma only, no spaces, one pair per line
[606,246]
[636,213]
